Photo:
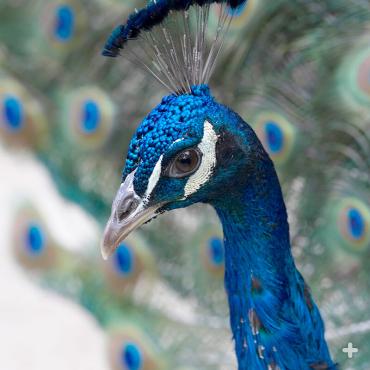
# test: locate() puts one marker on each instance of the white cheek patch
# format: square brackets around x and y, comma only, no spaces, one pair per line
[208,148]
[154,178]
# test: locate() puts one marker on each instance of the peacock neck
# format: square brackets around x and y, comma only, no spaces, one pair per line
[271,311]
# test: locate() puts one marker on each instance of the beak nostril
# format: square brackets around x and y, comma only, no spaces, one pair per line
[128,206]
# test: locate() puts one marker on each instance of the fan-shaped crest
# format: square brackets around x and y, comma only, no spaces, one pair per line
[172,40]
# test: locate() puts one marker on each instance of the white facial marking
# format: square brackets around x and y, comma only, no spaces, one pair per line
[176,141]
[153,180]
[208,148]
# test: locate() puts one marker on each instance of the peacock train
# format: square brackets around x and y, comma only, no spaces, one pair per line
[257,140]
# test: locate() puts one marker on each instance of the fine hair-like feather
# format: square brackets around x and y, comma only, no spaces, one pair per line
[172,40]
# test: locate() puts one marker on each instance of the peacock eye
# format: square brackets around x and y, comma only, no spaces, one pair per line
[185,163]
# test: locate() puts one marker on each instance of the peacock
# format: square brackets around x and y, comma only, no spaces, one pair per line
[297,72]
[189,149]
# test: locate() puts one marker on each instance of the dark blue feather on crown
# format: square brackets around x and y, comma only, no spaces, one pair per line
[153,14]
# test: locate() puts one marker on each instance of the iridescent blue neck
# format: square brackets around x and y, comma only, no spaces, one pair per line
[275,323]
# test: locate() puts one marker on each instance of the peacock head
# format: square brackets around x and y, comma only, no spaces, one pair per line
[189,149]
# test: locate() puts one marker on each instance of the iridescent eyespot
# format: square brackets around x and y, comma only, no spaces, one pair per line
[64,22]
[347,224]
[124,260]
[277,135]
[32,244]
[130,348]
[131,357]
[274,137]
[185,163]
[131,261]
[90,119]
[13,116]
[90,115]
[34,239]
[354,224]
[216,251]
[22,121]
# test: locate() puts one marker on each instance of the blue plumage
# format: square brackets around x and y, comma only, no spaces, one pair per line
[278,324]
[191,149]
[165,124]
[152,15]
[281,328]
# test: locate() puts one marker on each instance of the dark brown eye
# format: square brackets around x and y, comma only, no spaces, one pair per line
[185,163]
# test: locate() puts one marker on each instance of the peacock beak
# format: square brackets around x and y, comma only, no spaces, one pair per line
[128,213]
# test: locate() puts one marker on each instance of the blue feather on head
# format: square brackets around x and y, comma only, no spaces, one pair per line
[154,14]
[172,119]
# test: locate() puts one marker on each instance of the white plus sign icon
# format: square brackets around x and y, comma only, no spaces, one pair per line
[350,350]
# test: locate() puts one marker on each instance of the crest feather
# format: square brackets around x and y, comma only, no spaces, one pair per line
[171,40]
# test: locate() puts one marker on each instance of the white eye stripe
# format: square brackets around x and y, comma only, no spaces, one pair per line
[208,148]
[154,178]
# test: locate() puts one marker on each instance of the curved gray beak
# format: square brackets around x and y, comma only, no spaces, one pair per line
[129,212]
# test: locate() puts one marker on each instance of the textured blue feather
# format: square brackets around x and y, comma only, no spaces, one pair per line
[153,14]
[257,247]
[274,320]
[165,124]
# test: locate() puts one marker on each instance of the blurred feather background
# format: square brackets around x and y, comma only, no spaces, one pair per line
[298,72]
